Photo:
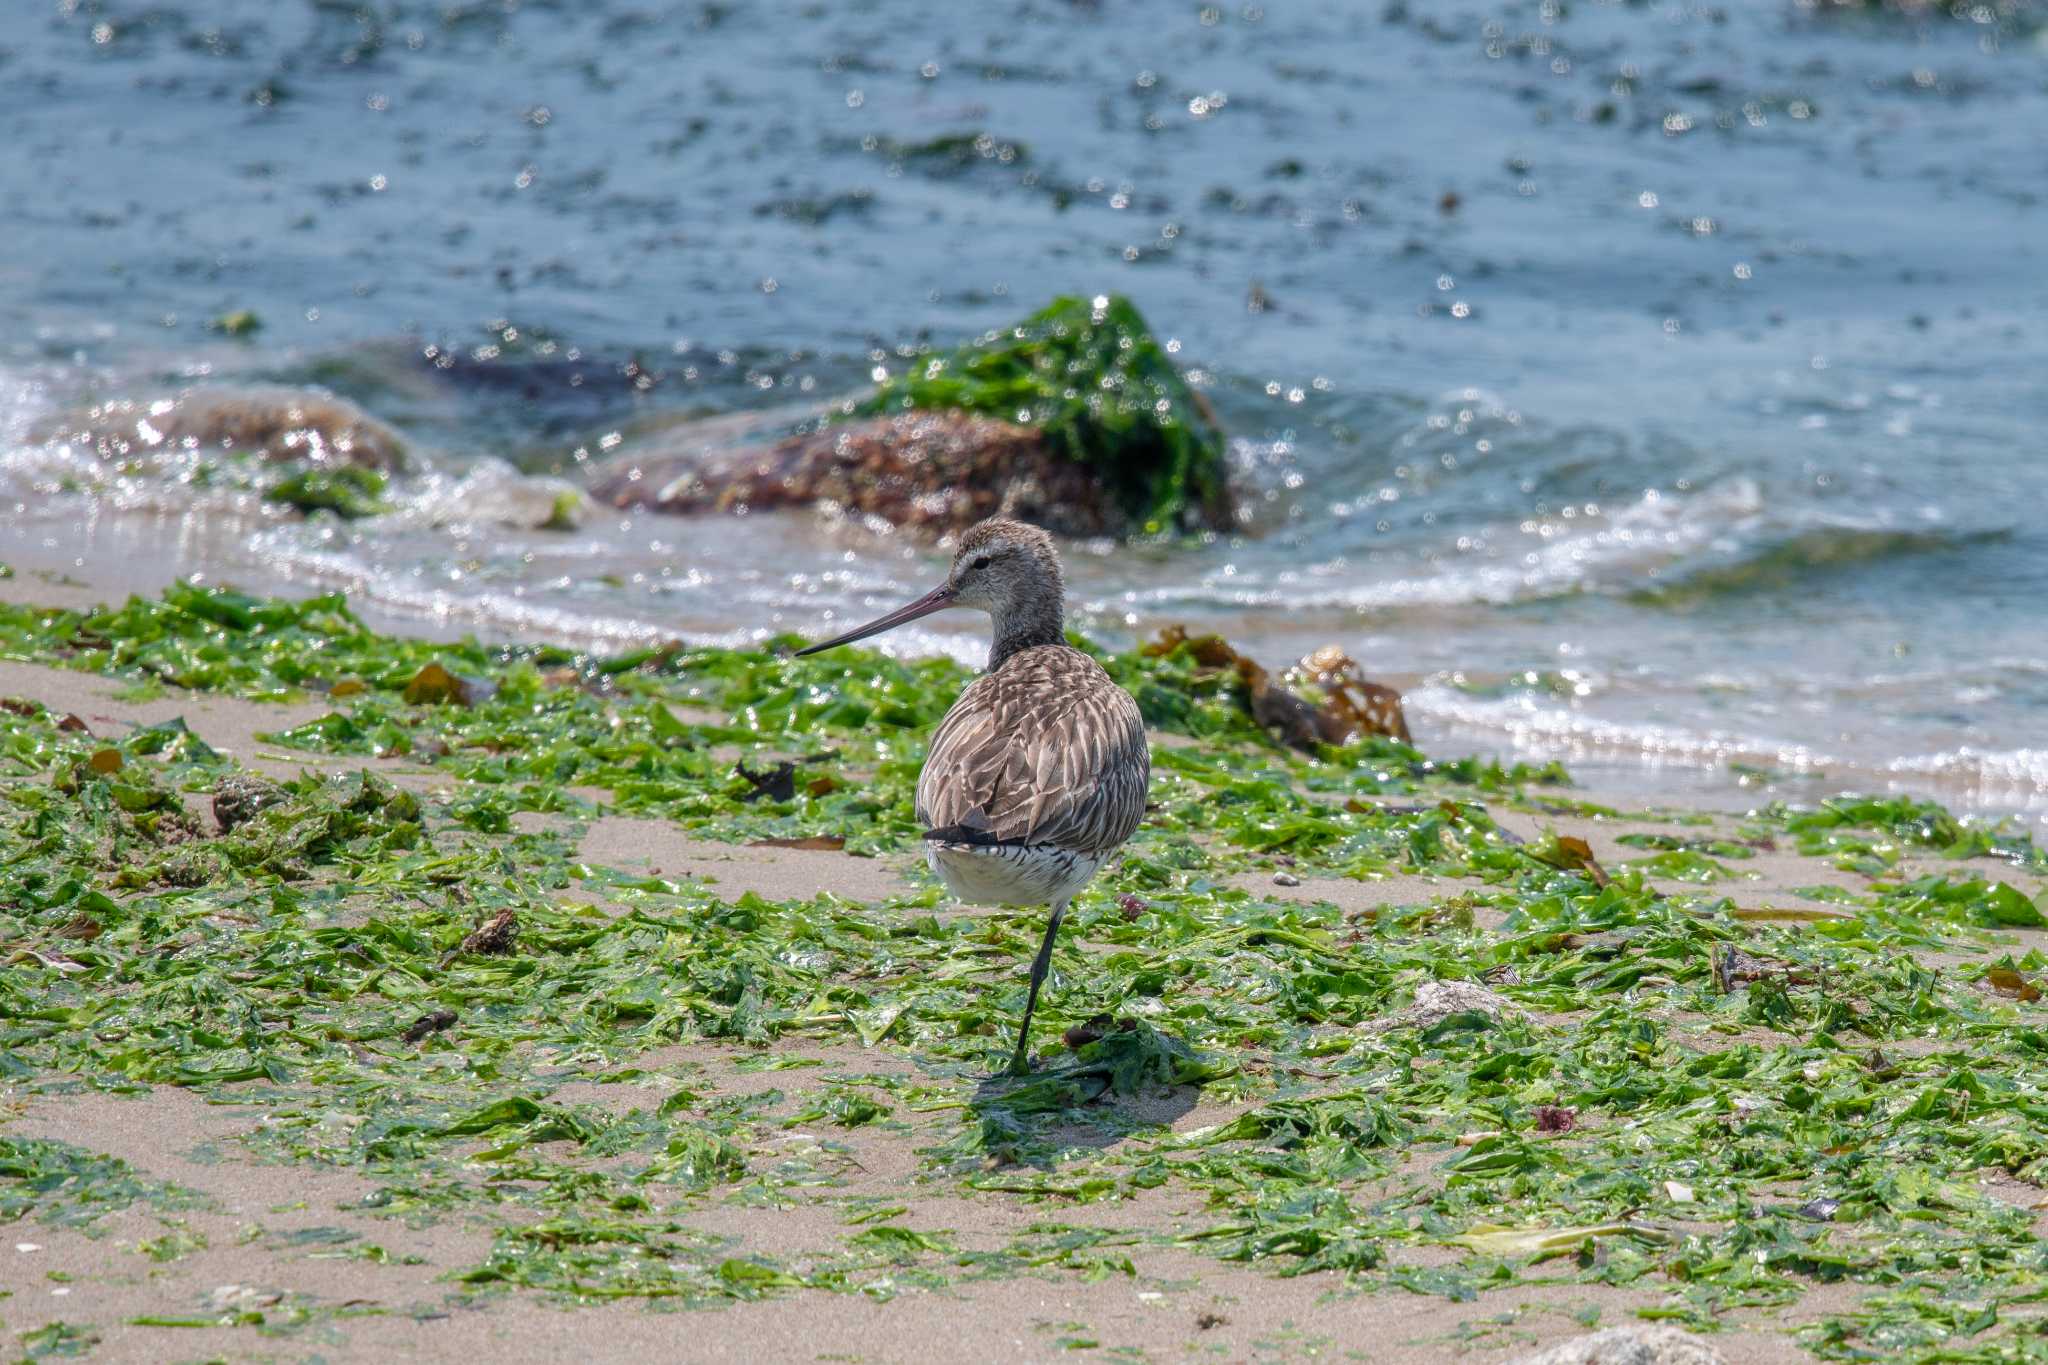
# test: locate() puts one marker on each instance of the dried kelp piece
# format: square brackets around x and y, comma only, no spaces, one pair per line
[1351,702]
[1570,854]
[1292,720]
[824,843]
[2008,981]
[436,683]
[1346,707]
[776,784]
[82,927]
[427,1024]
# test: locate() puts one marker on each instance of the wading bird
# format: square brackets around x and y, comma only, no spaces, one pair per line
[1038,772]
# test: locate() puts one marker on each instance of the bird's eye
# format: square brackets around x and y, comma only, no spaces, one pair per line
[981,561]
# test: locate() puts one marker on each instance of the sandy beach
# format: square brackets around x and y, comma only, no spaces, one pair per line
[228,1247]
[1554,480]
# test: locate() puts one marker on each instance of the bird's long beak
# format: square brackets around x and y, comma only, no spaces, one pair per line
[938,599]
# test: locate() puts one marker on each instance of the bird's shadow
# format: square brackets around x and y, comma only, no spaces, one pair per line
[1130,1081]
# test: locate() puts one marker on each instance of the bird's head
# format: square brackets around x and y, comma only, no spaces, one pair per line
[1003,567]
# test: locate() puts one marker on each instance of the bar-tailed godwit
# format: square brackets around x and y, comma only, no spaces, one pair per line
[1038,772]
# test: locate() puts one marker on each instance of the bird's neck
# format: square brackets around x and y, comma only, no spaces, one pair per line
[1026,627]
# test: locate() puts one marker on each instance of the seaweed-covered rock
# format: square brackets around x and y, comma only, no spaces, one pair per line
[1074,419]
[927,471]
[275,424]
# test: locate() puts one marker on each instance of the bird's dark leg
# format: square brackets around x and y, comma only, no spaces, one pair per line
[1019,1063]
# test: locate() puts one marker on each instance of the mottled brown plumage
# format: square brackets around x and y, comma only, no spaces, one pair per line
[1045,749]
[1038,772]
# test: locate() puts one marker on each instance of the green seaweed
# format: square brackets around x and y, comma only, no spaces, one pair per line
[1091,375]
[1637,1112]
[65,1186]
[348,491]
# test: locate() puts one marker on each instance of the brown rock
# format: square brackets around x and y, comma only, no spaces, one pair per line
[427,1024]
[239,797]
[276,424]
[498,936]
[932,472]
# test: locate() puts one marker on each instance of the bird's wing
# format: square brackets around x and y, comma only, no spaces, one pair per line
[1046,750]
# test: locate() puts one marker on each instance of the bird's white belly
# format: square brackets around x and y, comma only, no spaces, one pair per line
[1036,875]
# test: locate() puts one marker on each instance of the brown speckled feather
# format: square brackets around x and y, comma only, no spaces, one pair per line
[1045,749]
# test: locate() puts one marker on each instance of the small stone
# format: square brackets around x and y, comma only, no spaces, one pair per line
[1822,1210]
[272,423]
[496,937]
[1436,1001]
[1628,1346]
[241,1298]
[1286,879]
[239,797]
[430,1023]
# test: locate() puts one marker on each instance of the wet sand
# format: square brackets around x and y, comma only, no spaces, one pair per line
[276,1235]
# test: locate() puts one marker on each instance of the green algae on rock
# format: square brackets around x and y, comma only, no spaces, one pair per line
[1074,419]
[1094,380]
[348,491]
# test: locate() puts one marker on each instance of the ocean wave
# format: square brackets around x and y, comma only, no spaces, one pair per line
[1534,726]
[1512,562]
[1991,770]
[1538,727]
[1794,559]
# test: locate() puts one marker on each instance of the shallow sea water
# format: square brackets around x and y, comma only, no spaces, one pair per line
[1654,385]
